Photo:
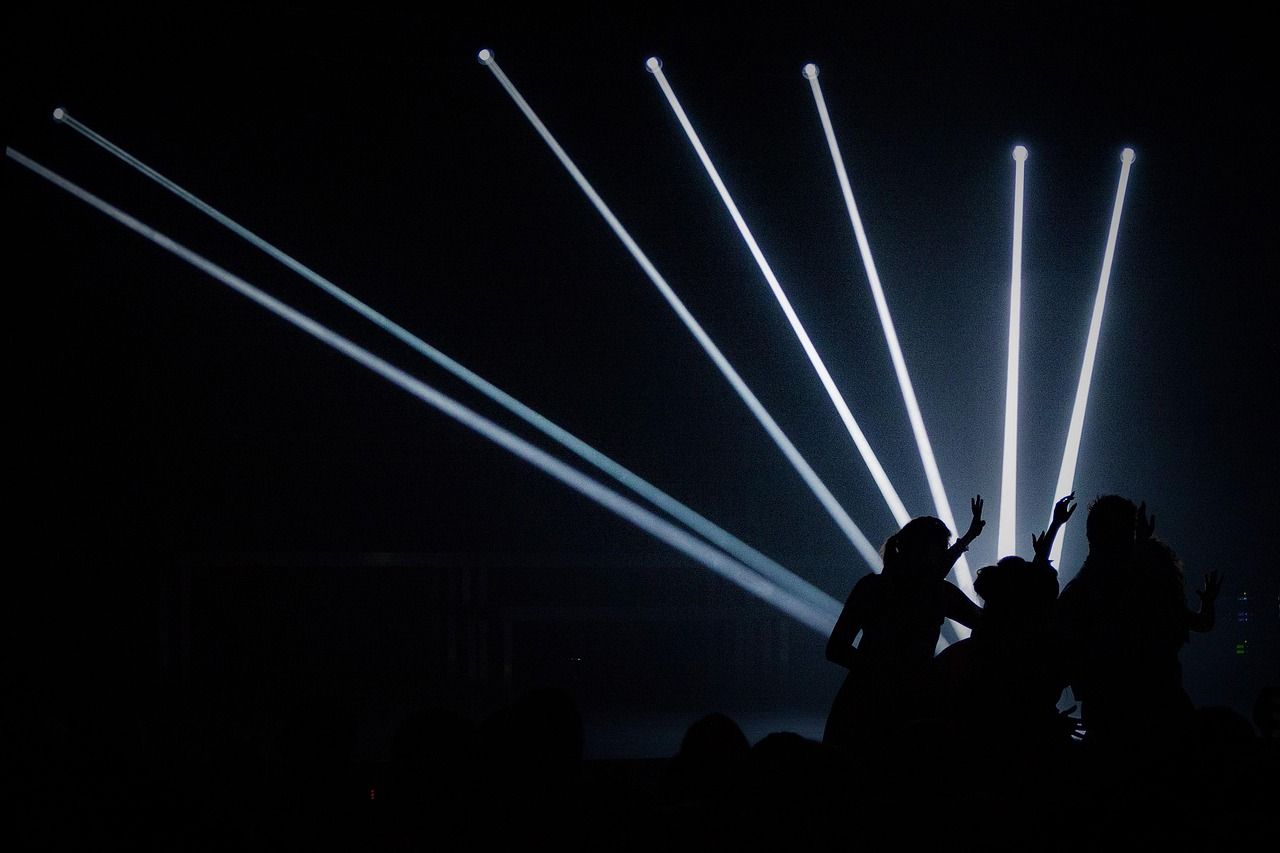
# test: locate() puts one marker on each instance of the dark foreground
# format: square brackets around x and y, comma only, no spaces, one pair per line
[519,779]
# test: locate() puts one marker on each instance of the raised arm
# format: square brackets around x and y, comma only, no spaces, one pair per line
[1043,543]
[1208,592]
[975,529]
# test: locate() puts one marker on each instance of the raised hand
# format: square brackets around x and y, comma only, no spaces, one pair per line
[1040,545]
[1063,509]
[1146,526]
[976,525]
[1208,592]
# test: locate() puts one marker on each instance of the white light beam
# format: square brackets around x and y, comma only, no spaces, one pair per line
[896,506]
[700,524]
[1006,543]
[811,479]
[677,538]
[941,505]
[1067,474]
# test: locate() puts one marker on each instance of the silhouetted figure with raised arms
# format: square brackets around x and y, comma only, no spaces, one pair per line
[1003,684]
[1124,618]
[899,613]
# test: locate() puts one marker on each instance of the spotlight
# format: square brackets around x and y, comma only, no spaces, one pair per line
[940,502]
[798,462]
[677,538]
[1006,541]
[702,525]
[1070,454]
[878,473]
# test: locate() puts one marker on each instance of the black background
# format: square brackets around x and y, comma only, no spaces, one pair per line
[154,415]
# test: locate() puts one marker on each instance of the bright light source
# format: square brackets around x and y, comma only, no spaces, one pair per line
[58,114]
[705,527]
[485,56]
[810,71]
[802,467]
[653,63]
[677,538]
[1006,541]
[1067,473]
[941,505]
[881,478]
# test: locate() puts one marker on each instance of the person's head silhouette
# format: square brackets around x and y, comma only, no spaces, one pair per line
[1112,525]
[918,551]
[1015,590]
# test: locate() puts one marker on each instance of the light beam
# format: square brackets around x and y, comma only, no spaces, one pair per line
[677,538]
[1067,473]
[702,525]
[878,474]
[802,467]
[941,505]
[1006,543]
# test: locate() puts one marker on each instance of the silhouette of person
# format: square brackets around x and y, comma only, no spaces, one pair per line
[1124,618]
[899,613]
[707,773]
[1004,682]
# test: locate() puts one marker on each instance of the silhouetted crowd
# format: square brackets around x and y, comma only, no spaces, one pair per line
[1113,636]
[963,749]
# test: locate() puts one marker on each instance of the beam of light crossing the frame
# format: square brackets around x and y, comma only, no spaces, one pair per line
[1067,474]
[878,474]
[802,467]
[940,502]
[700,524]
[720,563]
[1006,543]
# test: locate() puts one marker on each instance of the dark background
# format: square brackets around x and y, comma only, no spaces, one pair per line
[203,498]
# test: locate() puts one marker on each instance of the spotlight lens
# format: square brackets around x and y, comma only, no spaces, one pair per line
[653,63]
[1127,155]
[485,56]
[59,114]
[1020,152]
[810,71]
